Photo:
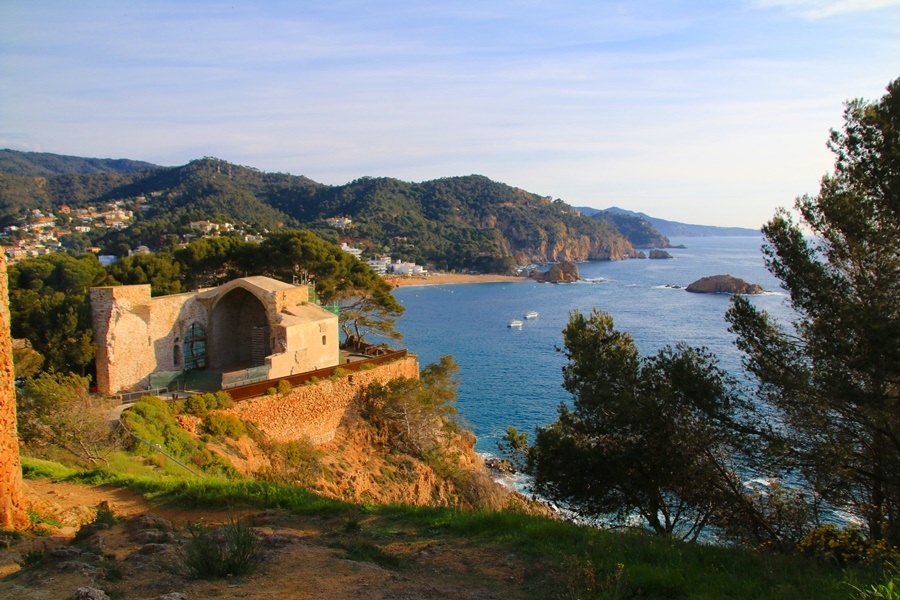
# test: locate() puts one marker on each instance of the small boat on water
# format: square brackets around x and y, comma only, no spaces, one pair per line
[532,314]
[515,323]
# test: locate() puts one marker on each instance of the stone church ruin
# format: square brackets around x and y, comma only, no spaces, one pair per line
[247,330]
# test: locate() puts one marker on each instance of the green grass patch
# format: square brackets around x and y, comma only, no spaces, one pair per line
[559,556]
[38,468]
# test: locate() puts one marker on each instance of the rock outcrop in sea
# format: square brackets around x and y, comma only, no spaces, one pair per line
[660,254]
[562,272]
[724,284]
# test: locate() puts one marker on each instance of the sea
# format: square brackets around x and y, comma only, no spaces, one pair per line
[513,377]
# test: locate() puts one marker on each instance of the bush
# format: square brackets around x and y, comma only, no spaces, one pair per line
[292,463]
[284,386]
[219,423]
[212,554]
[223,400]
[196,405]
[846,546]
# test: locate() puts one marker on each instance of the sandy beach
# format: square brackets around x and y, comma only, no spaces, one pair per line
[444,279]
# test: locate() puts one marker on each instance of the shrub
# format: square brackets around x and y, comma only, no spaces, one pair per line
[292,463]
[284,386]
[223,400]
[271,392]
[196,405]
[845,546]
[219,423]
[207,555]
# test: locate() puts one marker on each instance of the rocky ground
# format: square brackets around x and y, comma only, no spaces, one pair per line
[297,556]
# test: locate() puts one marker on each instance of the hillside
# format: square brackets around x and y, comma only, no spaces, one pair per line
[457,223]
[639,231]
[675,228]
[42,164]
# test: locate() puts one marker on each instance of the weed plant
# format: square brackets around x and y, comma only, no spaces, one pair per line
[207,555]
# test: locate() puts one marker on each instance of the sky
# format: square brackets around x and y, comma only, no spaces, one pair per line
[711,112]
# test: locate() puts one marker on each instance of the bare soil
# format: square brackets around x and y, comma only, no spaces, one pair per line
[300,557]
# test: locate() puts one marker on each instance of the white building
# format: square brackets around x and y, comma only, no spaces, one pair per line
[355,252]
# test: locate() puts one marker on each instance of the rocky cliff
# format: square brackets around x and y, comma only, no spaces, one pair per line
[563,272]
[12,508]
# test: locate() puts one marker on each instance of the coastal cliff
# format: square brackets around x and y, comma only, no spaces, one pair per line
[563,272]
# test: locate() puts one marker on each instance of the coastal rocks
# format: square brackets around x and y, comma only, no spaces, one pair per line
[562,272]
[724,284]
[500,466]
[660,254]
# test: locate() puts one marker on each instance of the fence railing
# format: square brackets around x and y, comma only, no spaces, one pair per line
[131,397]
[253,390]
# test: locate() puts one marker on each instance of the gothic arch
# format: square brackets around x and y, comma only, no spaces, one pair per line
[238,331]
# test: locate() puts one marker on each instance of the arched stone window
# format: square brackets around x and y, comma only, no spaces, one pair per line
[195,347]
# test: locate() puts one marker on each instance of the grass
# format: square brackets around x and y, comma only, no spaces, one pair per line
[204,556]
[37,468]
[638,565]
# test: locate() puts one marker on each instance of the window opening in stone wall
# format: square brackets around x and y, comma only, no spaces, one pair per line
[323,340]
[195,347]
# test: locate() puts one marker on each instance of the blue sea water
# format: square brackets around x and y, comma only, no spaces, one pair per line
[514,377]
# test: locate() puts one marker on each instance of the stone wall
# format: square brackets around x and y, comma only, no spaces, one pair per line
[314,411]
[12,509]
[137,335]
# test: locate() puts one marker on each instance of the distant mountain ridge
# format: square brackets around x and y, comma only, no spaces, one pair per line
[674,228]
[453,223]
[42,164]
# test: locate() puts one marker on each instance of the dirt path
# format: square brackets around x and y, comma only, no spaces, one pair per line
[302,557]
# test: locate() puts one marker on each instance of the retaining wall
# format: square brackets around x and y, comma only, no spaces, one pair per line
[314,411]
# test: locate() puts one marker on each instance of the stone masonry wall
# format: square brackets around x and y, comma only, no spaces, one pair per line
[12,508]
[314,411]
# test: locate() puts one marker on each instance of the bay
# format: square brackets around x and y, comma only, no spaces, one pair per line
[514,376]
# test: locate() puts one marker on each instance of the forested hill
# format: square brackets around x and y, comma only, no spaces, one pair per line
[37,164]
[467,222]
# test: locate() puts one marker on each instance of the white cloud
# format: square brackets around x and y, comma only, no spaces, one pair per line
[818,9]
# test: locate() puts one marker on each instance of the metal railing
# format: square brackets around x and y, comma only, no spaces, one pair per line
[131,397]
[158,448]
[253,390]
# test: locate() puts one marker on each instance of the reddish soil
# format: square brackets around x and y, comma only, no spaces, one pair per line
[301,557]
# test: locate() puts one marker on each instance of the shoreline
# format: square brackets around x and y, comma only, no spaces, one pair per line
[407,281]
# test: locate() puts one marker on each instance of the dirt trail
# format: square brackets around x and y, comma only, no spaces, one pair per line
[302,557]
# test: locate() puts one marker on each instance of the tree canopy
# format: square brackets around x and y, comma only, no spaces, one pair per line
[832,377]
[643,435]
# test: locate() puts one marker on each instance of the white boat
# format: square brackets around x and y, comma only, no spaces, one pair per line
[515,323]
[532,314]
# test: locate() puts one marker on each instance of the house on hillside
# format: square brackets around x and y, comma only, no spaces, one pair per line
[249,329]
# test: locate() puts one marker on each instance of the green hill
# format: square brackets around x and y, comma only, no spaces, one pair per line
[462,223]
[42,164]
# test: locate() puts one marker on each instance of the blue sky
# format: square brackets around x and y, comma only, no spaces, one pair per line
[706,112]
